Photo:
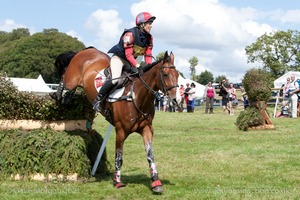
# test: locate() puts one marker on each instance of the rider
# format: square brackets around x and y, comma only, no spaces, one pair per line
[133,43]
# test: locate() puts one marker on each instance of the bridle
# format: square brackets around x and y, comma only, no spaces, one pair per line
[164,88]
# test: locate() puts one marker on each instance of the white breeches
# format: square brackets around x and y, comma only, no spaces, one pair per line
[116,66]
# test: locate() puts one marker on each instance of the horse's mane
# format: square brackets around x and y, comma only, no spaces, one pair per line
[148,67]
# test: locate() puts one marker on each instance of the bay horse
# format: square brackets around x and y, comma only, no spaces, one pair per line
[81,68]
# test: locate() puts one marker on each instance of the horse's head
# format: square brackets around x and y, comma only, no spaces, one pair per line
[168,76]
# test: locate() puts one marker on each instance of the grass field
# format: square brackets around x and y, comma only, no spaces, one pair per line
[198,156]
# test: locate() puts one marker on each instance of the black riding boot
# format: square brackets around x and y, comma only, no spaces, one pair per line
[105,89]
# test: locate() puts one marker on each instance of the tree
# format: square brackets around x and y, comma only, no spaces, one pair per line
[27,57]
[220,78]
[19,33]
[157,57]
[205,77]
[193,63]
[160,55]
[278,52]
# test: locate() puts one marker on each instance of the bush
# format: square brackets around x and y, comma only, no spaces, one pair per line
[48,151]
[23,106]
[248,118]
[257,84]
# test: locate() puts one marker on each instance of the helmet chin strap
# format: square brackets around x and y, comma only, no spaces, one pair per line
[142,25]
[142,28]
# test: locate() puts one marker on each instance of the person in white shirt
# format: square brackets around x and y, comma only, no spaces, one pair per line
[191,98]
[293,89]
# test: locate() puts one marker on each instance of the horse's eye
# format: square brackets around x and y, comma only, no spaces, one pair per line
[166,75]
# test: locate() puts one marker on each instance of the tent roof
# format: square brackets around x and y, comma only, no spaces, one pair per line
[282,79]
[31,85]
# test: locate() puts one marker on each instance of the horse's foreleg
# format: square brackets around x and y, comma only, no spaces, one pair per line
[119,160]
[156,183]
[59,91]
[58,94]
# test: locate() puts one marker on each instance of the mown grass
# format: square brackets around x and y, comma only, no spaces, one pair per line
[198,156]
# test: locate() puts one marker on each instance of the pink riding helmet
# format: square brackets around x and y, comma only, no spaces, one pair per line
[144,17]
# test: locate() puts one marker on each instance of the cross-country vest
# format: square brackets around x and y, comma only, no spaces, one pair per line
[140,43]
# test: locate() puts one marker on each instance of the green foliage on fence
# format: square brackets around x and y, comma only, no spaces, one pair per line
[48,151]
[248,118]
[257,84]
[22,105]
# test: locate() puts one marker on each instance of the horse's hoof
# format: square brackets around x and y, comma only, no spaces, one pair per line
[157,186]
[119,185]
[157,189]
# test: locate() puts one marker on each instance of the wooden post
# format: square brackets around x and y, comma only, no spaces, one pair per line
[267,123]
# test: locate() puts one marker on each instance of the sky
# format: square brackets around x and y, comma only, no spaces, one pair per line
[214,31]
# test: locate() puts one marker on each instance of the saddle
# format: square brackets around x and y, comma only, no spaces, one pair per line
[128,74]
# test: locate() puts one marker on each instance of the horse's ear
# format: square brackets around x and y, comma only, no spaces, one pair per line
[172,57]
[166,55]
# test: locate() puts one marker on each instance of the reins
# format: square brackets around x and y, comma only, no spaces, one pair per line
[164,88]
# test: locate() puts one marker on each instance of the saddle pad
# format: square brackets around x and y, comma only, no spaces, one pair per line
[99,82]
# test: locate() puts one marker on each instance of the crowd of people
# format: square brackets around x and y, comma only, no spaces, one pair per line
[290,94]
[187,98]
[228,94]
[229,97]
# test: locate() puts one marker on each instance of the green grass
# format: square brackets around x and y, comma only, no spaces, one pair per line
[198,156]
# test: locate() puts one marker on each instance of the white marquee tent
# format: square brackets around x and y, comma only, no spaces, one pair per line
[282,79]
[31,85]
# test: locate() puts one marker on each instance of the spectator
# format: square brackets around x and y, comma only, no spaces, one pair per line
[231,97]
[182,95]
[186,94]
[161,102]
[293,89]
[171,105]
[244,98]
[285,90]
[165,104]
[156,103]
[224,93]
[209,96]
[285,110]
[191,98]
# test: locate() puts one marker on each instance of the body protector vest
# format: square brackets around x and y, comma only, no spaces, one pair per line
[140,43]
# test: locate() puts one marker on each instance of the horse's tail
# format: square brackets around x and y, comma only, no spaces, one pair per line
[62,61]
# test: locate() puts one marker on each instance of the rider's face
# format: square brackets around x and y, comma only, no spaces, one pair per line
[147,27]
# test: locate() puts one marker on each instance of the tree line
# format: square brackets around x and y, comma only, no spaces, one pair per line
[277,53]
[26,56]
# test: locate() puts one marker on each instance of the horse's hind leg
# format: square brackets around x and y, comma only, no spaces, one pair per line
[156,185]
